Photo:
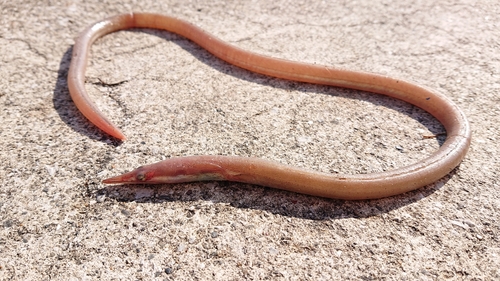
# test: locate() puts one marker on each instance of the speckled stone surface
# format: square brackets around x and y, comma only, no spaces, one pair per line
[58,222]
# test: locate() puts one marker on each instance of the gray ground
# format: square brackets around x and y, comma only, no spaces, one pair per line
[58,222]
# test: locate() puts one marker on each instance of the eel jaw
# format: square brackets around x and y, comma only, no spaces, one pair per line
[126,178]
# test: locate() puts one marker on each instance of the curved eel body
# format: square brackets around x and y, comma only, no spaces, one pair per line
[269,173]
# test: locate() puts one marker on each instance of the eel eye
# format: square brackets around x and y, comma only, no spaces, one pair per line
[141,177]
[144,176]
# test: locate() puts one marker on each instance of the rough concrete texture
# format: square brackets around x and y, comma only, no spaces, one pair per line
[172,98]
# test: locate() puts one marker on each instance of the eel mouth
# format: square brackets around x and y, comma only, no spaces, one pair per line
[127,178]
[113,180]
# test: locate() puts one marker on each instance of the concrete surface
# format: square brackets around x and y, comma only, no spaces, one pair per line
[58,222]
